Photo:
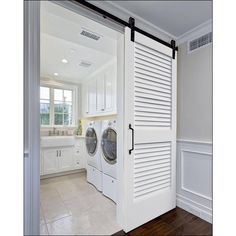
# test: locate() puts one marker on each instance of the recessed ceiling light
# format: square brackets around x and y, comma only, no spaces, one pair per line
[56,74]
[64,61]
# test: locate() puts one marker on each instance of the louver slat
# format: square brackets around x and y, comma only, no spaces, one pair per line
[152,168]
[152,88]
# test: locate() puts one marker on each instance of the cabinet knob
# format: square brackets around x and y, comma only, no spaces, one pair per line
[77,162]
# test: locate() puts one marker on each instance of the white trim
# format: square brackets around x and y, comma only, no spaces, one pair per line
[194,207]
[82,170]
[201,29]
[182,173]
[31,117]
[195,202]
[120,203]
[194,141]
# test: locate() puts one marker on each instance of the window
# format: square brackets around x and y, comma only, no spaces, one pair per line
[44,106]
[62,107]
[56,106]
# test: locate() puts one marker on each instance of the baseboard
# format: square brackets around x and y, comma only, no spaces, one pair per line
[194,208]
[62,173]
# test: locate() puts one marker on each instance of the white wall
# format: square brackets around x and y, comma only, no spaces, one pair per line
[195,94]
[194,131]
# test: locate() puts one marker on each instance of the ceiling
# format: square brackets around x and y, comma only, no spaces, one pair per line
[54,49]
[61,39]
[174,17]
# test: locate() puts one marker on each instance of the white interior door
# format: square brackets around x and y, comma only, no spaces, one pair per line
[150,110]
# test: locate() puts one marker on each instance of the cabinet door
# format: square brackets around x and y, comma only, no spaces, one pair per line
[66,159]
[110,90]
[100,93]
[78,160]
[50,161]
[85,99]
[80,156]
[92,93]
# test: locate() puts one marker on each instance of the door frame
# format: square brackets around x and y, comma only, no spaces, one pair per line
[31,118]
[31,112]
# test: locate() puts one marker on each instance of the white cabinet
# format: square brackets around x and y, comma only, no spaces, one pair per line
[99,96]
[110,90]
[80,159]
[92,97]
[100,81]
[66,159]
[61,159]
[50,161]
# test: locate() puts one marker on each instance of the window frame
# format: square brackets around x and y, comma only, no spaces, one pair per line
[49,100]
[58,85]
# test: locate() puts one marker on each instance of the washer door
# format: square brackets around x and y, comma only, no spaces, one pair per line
[109,145]
[91,141]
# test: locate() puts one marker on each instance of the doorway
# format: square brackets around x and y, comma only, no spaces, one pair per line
[79,123]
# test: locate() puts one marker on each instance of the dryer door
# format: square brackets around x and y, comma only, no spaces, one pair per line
[91,141]
[109,145]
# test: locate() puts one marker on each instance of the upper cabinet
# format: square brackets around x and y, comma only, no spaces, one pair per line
[99,92]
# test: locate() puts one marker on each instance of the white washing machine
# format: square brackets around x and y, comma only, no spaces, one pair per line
[93,148]
[109,158]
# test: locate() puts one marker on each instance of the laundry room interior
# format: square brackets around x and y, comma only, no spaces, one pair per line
[78,116]
[119,144]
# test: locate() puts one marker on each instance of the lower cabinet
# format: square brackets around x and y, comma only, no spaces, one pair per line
[66,159]
[79,150]
[55,160]
[50,161]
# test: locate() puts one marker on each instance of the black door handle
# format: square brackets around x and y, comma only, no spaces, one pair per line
[130,150]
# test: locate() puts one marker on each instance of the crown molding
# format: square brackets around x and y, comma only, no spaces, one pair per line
[124,14]
[201,29]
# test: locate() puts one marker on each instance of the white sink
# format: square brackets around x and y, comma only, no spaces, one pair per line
[57,141]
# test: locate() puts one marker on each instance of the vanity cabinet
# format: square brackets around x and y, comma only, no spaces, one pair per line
[50,161]
[99,93]
[61,159]
[65,159]
[79,151]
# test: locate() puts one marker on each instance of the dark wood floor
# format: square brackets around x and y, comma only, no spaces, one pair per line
[174,223]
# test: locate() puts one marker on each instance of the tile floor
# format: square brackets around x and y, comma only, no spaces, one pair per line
[71,206]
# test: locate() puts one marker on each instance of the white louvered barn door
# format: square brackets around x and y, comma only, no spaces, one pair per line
[150,110]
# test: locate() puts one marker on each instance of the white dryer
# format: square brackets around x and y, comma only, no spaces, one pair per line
[109,158]
[93,148]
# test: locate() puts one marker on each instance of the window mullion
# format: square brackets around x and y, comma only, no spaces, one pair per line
[52,106]
[63,106]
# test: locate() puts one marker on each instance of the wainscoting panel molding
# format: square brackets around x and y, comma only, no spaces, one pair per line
[194,177]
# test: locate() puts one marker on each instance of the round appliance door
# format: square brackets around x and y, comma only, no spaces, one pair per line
[109,145]
[91,141]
